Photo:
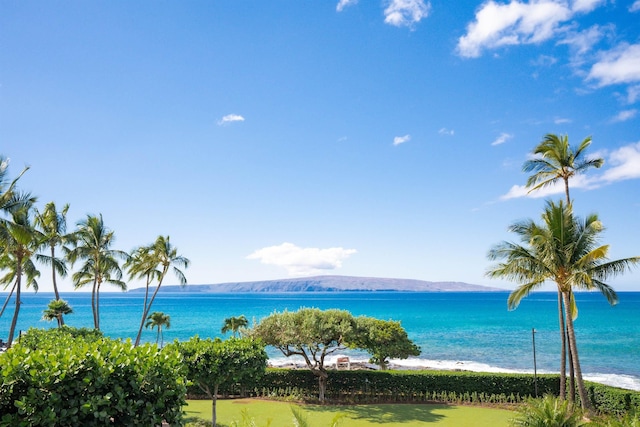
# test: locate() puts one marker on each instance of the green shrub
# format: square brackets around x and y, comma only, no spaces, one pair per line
[56,378]
[548,412]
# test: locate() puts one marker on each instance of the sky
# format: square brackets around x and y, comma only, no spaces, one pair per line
[275,139]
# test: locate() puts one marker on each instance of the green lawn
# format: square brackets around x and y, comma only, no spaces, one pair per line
[391,415]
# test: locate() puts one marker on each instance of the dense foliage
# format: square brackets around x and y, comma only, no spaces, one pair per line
[383,339]
[55,378]
[212,364]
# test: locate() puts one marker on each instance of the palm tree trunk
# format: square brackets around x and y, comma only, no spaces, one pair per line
[93,304]
[582,391]
[144,315]
[7,300]
[148,307]
[53,273]
[563,350]
[14,321]
[572,376]
[98,307]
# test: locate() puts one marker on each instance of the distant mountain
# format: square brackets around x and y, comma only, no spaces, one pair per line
[331,284]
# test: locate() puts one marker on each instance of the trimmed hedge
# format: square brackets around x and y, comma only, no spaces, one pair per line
[426,386]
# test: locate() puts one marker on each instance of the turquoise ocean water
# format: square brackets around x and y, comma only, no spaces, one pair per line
[455,330]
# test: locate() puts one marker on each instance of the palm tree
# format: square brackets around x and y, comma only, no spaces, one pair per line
[561,249]
[53,226]
[555,160]
[153,262]
[234,324]
[93,245]
[18,243]
[56,309]
[10,198]
[158,319]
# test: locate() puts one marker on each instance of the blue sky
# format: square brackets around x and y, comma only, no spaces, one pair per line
[290,138]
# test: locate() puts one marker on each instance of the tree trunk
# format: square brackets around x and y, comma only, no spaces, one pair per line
[582,391]
[147,308]
[14,322]
[144,315]
[214,400]
[563,350]
[93,303]
[98,306]
[322,383]
[7,300]
[53,273]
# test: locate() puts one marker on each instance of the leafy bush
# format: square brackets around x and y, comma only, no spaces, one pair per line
[548,412]
[54,378]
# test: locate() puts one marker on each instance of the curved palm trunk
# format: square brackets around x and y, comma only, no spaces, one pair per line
[53,273]
[582,391]
[4,306]
[98,306]
[14,321]
[148,307]
[563,350]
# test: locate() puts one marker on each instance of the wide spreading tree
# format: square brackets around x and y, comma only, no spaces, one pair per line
[562,249]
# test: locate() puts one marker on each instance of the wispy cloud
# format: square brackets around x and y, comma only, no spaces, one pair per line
[406,13]
[504,137]
[344,3]
[621,164]
[302,261]
[635,7]
[625,115]
[229,118]
[445,131]
[625,163]
[561,121]
[633,94]
[401,139]
[619,65]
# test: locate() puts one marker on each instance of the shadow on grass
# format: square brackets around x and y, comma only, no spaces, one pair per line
[396,413]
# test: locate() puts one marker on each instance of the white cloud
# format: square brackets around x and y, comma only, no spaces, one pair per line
[445,131]
[625,115]
[620,65]
[406,12]
[504,137]
[635,7]
[302,261]
[229,118]
[581,42]
[625,163]
[586,5]
[561,120]
[401,139]
[344,3]
[579,181]
[512,24]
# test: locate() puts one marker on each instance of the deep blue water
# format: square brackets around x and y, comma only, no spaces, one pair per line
[469,330]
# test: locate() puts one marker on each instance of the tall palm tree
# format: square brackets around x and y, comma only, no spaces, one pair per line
[53,226]
[55,310]
[18,243]
[158,319]
[234,324]
[562,249]
[153,262]
[555,160]
[93,246]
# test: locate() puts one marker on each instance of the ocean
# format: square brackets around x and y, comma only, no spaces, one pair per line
[455,330]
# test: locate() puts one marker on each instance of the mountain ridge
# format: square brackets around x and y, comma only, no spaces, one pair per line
[330,283]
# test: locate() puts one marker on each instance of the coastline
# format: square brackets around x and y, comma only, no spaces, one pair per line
[623,381]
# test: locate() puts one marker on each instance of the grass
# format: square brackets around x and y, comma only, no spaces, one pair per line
[389,415]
